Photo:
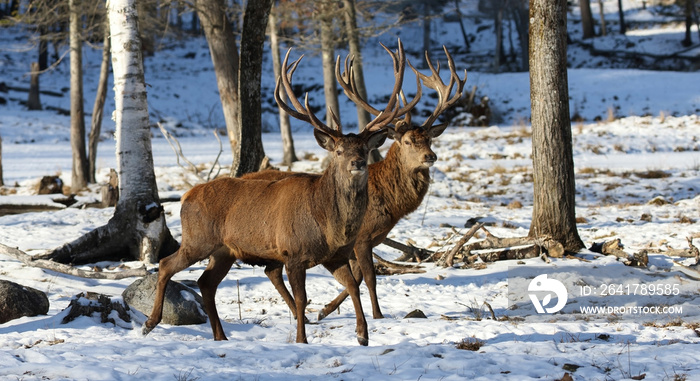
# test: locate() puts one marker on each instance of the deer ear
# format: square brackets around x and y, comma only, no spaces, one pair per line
[392,133]
[325,140]
[437,130]
[377,139]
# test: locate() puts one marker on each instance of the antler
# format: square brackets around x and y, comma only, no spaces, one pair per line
[347,82]
[435,82]
[301,112]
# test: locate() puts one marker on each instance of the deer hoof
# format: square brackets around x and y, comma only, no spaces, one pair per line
[321,315]
[145,330]
[363,341]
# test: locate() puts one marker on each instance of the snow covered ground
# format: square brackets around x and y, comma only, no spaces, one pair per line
[650,149]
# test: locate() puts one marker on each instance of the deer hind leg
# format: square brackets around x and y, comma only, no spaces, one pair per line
[274,273]
[296,274]
[342,273]
[220,263]
[335,303]
[167,267]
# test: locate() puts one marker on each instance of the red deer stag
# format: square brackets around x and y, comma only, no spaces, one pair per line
[398,183]
[298,223]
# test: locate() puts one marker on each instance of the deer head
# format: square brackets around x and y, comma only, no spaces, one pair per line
[350,151]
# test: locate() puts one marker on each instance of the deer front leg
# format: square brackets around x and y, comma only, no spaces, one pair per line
[296,274]
[363,253]
[219,265]
[168,267]
[341,272]
[335,303]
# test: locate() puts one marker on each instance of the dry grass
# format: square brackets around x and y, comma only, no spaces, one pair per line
[653,174]
[470,344]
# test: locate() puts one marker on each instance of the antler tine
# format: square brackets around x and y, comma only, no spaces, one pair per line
[435,82]
[302,113]
[384,118]
[347,82]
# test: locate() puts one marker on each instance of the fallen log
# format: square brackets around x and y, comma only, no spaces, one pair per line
[410,252]
[28,260]
[384,267]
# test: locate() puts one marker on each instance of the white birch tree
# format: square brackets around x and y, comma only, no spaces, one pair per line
[137,230]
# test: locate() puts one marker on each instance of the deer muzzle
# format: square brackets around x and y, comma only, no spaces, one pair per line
[358,167]
[429,159]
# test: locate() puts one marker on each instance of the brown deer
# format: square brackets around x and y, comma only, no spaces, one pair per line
[396,184]
[298,223]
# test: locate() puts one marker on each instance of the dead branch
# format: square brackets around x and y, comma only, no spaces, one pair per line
[384,267]
[28,260]
[493,314]
[694,250]
[410,252]
[177,148]
[448,260]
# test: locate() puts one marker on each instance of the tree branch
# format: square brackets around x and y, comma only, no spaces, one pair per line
[28,260]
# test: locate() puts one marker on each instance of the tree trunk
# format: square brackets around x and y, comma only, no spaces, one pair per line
[688,40]
[250,153]
[349,14]
[363,117]
[521,17]
[137,231]
[43,48]
[461,27]
[498,29]
[621,13]
[603,29]
[79,178]
[2,182]
[554,213]
[224,56]
[586,19]
[330,88]
[426,30]
[33,102]
[98,107]
[288,154]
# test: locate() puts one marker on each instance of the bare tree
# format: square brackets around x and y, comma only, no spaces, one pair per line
[250,154]
[288,154]
[99,105]
[2,182]
[33,101]
[603,28]
[554,212]
[244,137]
[621,13]
[79,178]
[330,89]
[353,37]
[688,12]
[137,230]
[586,19]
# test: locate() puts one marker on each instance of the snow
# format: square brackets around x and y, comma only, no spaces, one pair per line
[649,149]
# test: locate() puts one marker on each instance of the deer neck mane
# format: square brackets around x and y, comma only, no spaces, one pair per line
[345,200]
[403,187]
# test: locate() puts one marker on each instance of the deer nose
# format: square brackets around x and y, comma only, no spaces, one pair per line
[429,159]
[358,164]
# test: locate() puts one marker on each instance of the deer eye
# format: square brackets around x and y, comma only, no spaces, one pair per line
[339,152]
[407,142]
